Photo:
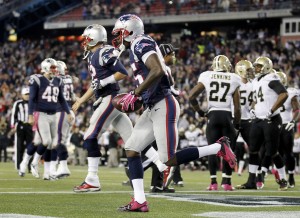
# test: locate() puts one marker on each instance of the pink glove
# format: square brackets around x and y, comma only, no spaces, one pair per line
[128,101]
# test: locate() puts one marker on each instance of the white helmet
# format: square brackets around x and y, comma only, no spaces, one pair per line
[221,63]
[265,63]
[92,35]
[61,68]
[283,78]
[49,65]
[127,27]
[244,69]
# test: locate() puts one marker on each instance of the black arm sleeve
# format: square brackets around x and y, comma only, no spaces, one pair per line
[277,86]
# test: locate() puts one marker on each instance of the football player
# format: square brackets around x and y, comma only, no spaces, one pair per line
[269,96]
[105,71]
[159,119]
[222,88]
[63,130]
[289,113]
[46,91]
[245,70]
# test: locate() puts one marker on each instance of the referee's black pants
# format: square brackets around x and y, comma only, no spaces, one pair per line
[23,137]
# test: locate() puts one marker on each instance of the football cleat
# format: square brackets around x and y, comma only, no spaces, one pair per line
[134,206]
[291,183]
[179,184]
[35,170]
[283,185]
[226,151]
[246,186]
[227,187]
[260,185]
[22,169]
[212,187]
[84,187]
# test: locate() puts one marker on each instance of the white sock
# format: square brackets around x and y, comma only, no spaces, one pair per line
[36,159]
[253,168]
[138,187]
[281,172]
[209,150]
[46,167]
[152,154]
[241,166]
[26,159]
[92,176]
[53,167]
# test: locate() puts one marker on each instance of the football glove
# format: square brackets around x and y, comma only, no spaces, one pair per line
[128,101]
[290,125]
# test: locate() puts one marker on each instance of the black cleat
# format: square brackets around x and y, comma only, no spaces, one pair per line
[246,186]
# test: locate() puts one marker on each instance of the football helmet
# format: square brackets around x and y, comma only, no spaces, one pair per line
[127,27]
[49,66]
[221,63]
[93,34]
[61,68]
[262,65]
[244,69]
[283,78]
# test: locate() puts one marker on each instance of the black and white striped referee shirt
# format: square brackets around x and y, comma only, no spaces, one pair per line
[19,113]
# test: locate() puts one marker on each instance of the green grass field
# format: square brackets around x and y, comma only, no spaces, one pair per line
[37,197]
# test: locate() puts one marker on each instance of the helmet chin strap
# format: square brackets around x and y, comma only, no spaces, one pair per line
[85,54]
[121,48]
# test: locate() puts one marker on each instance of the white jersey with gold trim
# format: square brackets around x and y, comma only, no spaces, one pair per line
[264,96]
[246,99]
[220,87]
[286,111]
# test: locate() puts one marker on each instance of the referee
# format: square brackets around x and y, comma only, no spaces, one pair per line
[21,127]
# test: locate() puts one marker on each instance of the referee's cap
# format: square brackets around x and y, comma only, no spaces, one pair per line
[167,49]
[25,91]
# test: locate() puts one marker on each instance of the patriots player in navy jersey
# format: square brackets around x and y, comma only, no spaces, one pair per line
[45,92]
[105,71]
[63,127]
[159,119]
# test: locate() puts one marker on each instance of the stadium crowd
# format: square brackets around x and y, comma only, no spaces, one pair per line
[19,60]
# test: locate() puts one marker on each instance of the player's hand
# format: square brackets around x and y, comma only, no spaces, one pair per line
[269,114]
[76,105]
[252,114]
[128,101]
[30,119]
[290,125]
[96,84]
[71,117]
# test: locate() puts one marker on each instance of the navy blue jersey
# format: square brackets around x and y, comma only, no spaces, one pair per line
[101,65]
[45,95]
[68,91]
[141,48]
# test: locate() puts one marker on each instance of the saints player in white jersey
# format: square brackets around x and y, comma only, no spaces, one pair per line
[222,87]
[245,70]
[269,95]
[289,113]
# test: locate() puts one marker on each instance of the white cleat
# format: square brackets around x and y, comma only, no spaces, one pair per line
[22,170]
[35,170]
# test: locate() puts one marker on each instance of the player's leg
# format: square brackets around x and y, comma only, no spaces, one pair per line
[272,133]
[63,131]
[140,138]
[257,139]
[100,121]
